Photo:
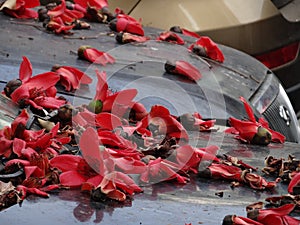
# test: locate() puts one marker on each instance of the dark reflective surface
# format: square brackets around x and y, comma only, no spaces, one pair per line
[197,202]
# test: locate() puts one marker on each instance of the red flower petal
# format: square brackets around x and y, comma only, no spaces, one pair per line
[211,48]
[249,110]
[190,33]
[95,56]
[295,181]
[225,172]
[89,145]
[58,10]
[170,36]
[49,102]
[102,86]
[25,71]
[128,24]
[123,97]
[32,3]
[18,146]
[280,211]
[82,77]
[21,92]
[65,162]
[43,81]
[72,179]
[246,129]
[184,68]
[239,220]
[108,121]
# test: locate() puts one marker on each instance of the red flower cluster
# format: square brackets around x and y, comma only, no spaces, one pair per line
[62,19]
[39,91]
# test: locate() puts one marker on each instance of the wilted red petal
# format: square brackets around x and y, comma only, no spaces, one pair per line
[21,92]
[184,68]
[58,10]
[108,121]
[18,146]
[65,162]
[211,48]
[128,24]
[25,190]
[43,81]
[31,3]
[33,171]
[246,129]
[102,86]
[89,145]
[72,179]
[116,195]
[21,13]
[187,157]
[227,172]
[170,36]
[125,37]
[239,220]
[158,111]
[277,137]
[95,56]
[5,147]
[82,77]
[123,97]
[249,110]
[17,161]
[208,153]
[49,102]
[294,182]
[272,215]
[25,71]
[68,79]
[190,33]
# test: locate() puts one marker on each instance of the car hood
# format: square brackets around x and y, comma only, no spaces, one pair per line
[221,85]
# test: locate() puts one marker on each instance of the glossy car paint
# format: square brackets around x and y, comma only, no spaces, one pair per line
[256,27]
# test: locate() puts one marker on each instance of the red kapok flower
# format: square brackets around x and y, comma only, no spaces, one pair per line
[105,101]
[195,122]
[38,91]
[183,68]
[20,8]
[94,55]
[171,37]
[204,46]
[164,123]
[278,216]
[71,77]
[125,37]
[126,23]
[252,131]
[184,31]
